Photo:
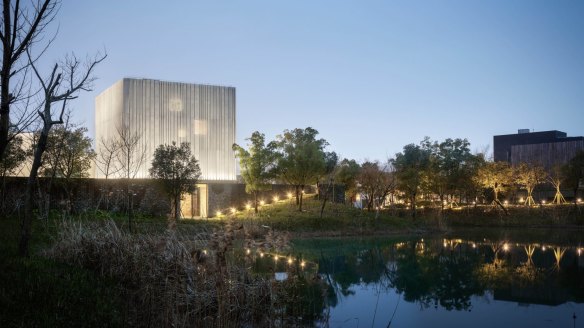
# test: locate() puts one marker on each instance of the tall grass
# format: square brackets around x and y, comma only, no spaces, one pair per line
[171,279]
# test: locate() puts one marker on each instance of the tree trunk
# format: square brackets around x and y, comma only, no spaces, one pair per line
[255,200]
[301,197]
[25,228]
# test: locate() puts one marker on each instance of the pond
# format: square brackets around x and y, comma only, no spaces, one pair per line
[487,278]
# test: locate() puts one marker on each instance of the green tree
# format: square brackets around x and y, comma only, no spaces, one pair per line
[529,176]
[410,166]
[573,173]
[256,165]
[347,175]
[300,159]
[376,182]
[177,170]
[68,157]
[14,158]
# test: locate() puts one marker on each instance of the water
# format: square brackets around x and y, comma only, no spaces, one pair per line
[489,278]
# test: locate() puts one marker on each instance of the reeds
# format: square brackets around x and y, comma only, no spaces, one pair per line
[171,279]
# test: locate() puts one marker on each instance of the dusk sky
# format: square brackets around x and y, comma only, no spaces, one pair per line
[370,76]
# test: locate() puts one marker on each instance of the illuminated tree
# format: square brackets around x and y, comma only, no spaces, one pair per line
[376,182]
[410,166]
[256,165]
[555,179]
[177,170]
[529,176]
[495,176]
[300,159]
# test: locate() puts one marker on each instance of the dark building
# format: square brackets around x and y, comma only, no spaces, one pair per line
[545,148]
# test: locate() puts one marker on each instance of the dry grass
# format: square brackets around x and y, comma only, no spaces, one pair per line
[171,279]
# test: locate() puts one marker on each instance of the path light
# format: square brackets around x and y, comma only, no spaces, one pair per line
[262,203]
[289,260]
[261,254]
[276,199]
[474,245]
[302,264]
[543,202]
[218,213]
[248,206]
[275,258]
[579,200]
[289,195]
[233,210]
[247,251]
[506,202]
[543,248]
[579,251]
[506,247]
[521,200]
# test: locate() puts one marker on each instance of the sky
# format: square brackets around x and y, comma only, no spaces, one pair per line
[370,76]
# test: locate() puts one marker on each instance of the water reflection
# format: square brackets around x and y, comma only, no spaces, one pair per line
[450,276]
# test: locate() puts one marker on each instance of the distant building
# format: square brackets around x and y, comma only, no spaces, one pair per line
[546,148]
[163,112]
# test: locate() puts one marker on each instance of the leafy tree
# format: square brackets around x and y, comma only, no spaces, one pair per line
[573,173]
[495,176]
[256,164]
[529,176]
[347,175]
[331,161]
[409,170]
[177,170]
[376,182]
[14,158]
[69,153]
[300,159]
[68,157]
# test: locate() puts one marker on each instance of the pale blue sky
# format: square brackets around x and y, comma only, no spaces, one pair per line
[370,76]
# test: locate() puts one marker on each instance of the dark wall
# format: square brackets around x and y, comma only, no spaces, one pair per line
[502,144]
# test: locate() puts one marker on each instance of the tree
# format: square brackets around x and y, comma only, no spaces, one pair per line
[256,165]
[409,170]
[347,174]
[495,176]
[573,173]
[300,159]
[529,176]
[14,158]
[331,161]
[555,179]
[68,156]
[376,182]
[64,83]
[22,26]
[105,160]
[177,170]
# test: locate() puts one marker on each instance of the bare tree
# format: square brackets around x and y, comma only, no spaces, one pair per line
[64,83]
[107,154]
[22,26]
[131,157]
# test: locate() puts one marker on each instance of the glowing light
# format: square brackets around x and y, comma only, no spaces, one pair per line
[247,251]
[506,202]
[261,254]
[276,198]
[302,264]
[505,247]
[233,210]
[290,260]
[474,203]
[205,251]
[262,203]
[247,206]
[543,201]
[303,192]
[275,257]
[445,244]
[521,200]
[543,248]
[579,251]
[474,245]
[579,200]
[289,195]
[218,213]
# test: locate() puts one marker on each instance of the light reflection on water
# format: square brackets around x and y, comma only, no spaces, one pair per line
[470,279]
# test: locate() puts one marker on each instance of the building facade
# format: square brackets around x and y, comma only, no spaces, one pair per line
[162,112]
[546,148]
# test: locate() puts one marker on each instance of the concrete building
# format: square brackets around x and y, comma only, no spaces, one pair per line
[162,112]
[546,148]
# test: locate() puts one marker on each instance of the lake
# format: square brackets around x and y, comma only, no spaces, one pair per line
[472,278]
